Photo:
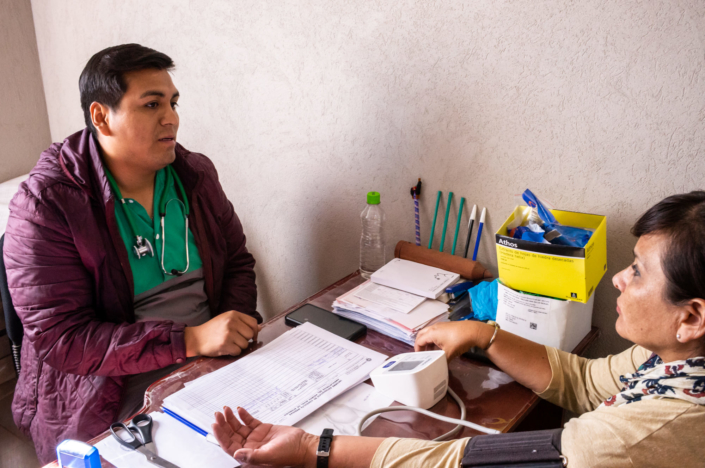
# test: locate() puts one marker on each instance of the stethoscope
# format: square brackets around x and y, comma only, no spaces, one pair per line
[142,246]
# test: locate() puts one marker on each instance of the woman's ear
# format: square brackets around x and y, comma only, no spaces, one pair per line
[693,326]
[100,116]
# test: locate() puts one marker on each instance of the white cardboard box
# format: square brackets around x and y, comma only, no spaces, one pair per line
[552,322]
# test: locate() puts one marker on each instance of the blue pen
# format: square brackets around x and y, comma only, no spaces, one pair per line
[479,233]
[189,424]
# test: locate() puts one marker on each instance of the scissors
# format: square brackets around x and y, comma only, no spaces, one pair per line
[142,425]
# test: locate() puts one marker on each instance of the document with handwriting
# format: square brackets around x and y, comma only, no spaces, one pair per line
[281,383]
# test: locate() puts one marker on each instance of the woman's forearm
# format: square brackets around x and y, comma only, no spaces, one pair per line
[525,361]
[348,451]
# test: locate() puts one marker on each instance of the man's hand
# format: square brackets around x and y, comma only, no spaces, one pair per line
[255,443]
[454,338]
[227,334]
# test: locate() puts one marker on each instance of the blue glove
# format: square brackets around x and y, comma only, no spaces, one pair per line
[484,300]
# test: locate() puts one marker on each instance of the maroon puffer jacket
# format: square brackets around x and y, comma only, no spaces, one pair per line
[71,283]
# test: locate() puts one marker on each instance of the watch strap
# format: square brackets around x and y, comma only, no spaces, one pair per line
[323,451]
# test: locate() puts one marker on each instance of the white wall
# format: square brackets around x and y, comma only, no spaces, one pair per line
[24,127]
[304,106]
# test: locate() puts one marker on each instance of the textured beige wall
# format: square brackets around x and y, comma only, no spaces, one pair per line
[24,127]
[306,105]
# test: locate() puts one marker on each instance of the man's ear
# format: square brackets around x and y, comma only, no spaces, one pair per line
[693,327]
[100,116]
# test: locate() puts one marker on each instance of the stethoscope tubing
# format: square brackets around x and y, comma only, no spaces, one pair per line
[140,241]
[174,272]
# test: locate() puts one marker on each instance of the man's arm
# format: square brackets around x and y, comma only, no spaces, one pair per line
[53,294]
[239,291]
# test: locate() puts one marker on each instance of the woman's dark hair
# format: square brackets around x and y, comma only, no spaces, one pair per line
[102,80]
[682,219]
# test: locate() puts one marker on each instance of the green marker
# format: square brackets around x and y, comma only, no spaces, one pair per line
[435,215]
[445,222]
[457,224]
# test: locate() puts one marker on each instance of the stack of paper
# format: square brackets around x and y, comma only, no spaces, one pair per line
[415,278]
[280,383]
[390,311]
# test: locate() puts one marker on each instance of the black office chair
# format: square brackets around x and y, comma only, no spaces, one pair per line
[15,330]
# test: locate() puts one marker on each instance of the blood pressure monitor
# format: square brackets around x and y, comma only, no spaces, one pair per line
[419,381]
[414,379]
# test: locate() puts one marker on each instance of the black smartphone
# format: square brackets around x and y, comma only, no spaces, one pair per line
[336,324]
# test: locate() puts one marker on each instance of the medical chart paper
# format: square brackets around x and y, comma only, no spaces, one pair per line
[281,383]
[345,412]
[398,301]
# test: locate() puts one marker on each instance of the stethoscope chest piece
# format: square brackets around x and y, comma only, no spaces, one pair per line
[143,247]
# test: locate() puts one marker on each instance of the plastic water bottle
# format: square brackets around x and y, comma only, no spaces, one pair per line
[372,240]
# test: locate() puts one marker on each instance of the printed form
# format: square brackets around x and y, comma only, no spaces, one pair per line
[281,383]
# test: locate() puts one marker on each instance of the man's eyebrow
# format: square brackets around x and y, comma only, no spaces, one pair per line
[158,94]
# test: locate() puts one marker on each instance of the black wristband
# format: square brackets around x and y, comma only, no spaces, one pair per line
[323,451]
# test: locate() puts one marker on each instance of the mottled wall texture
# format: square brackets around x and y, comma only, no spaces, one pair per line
[304,106]
[24,127]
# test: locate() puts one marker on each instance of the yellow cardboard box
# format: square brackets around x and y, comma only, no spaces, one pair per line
[554,270]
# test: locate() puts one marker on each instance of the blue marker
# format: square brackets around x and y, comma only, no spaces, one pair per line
[479,233]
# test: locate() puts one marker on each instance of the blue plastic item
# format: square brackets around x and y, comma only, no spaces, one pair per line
[77,454]
[534,202]
[457,290]
[484,300]
[570,236]
[518,231]
[532,236]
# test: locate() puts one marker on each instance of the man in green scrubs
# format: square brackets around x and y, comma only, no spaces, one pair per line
[138,140]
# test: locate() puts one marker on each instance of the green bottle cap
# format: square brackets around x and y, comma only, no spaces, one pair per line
[373,198]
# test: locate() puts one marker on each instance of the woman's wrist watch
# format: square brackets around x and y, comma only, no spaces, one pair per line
[323,451]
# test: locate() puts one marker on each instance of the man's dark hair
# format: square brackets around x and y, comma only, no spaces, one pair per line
[682,219]
[103,78]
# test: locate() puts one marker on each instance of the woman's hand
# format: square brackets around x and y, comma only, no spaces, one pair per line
[256,443]
[454,338]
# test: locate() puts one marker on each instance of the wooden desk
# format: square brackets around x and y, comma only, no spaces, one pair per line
[492,398]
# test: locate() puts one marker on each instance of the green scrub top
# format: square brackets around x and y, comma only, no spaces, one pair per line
[147,271]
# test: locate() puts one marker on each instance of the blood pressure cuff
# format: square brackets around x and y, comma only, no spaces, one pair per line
[534,449]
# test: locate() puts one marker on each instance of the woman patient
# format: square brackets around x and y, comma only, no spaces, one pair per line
[642,407]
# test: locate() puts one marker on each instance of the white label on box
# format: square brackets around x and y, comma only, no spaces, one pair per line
[522,314]
[551,322]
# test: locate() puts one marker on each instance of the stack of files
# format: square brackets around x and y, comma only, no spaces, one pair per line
[415,278]
[281,383]
[389,311]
